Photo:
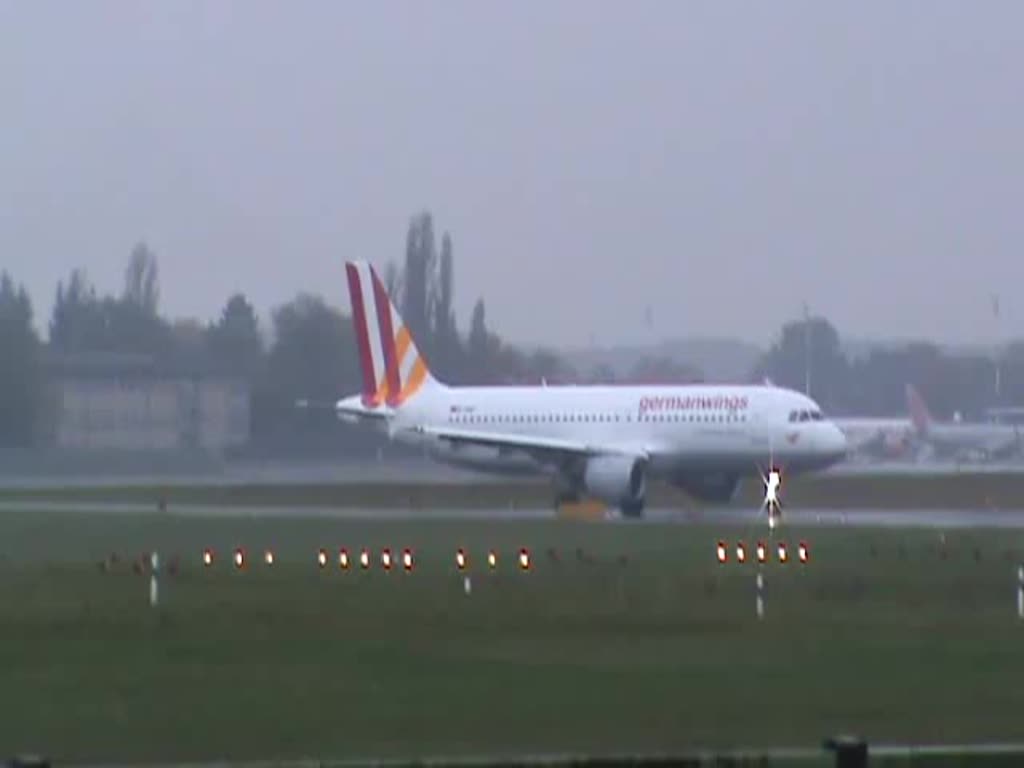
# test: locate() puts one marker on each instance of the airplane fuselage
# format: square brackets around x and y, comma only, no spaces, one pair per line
[736,429]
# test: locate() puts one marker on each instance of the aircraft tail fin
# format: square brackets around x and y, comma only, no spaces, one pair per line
[920,416]
[393,369]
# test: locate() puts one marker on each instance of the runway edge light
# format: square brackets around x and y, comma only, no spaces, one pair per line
[783,553]
[741,553]
[407,559]
[723,552]
[461,560]
[524,559]
[321,558]
[803,552]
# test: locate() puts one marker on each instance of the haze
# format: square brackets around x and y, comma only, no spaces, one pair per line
[717,162]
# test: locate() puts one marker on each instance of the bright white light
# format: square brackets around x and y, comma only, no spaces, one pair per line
[407,559]
[343,558]
[364,559]
[804,553]
[321,558]
[239,558]
[385,559]
[762,553]
[460,559]
[723,553]
[268,557]
[524,559]
[207,557]
[741,552]
[771,487]
[783,555]
[492,559]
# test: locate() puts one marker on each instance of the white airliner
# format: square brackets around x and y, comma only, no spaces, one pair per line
[602,442]
[962,440]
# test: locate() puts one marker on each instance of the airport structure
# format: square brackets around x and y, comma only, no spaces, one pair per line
[135,403]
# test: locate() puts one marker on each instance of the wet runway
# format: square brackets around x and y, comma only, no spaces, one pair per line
[938,519]
[408,470]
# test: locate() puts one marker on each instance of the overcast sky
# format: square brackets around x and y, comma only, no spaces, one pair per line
[719,162]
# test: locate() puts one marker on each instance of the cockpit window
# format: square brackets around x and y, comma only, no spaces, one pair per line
[816,416]
[792,415]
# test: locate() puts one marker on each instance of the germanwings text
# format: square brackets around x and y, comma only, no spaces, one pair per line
[692,403]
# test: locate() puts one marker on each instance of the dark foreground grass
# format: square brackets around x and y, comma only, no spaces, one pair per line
[620,638]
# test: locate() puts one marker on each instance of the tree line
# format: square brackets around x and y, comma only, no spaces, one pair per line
[809,356]
[308,351]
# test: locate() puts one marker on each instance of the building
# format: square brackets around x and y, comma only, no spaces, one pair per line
[132,403]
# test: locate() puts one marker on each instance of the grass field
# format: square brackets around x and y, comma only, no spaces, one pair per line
[620,638]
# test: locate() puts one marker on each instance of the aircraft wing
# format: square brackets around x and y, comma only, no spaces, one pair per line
[541,448]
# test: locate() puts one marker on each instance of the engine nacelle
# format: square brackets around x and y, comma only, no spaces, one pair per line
[618,480]
[713,487]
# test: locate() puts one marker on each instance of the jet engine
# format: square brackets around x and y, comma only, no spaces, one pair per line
[713,487]
[619,480]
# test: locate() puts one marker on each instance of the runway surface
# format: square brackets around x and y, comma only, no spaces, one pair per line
[862,518]
[404,470]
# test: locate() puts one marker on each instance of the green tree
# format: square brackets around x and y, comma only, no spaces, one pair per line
[313,356]
[142,280]
[479,338]
[447,353]
[813,346]
[78,321]
[234,341]
[21,377]
[417,281]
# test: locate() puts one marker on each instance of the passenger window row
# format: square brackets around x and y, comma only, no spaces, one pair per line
[605,418]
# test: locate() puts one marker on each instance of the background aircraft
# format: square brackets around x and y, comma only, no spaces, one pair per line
[878,438]
[963,440]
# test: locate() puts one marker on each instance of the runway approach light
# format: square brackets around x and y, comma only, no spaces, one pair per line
[723,552]
[239,558]
[460,559]
[492,559]
[364,559]
[207,558]
[783,554]
[803,552]
[524,559]
[741,553]
[343,559]
[762,552]
[268,557]
[407,559]
[385,559]
[321,558]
